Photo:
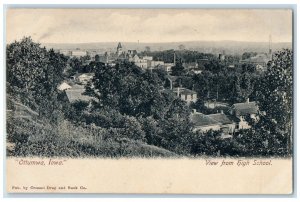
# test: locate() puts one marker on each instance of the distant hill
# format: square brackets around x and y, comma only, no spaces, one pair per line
[215,47]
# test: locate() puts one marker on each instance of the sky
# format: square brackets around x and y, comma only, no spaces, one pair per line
[148,25]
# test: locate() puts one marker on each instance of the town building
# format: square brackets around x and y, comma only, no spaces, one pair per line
[186,95]
[119,49]
[64,86]
[155,64]
[241,110]
[260,61]
[168,67]
[214,122]
[227,125]
[142,63]
[204,123]
[132,52]
[83,78]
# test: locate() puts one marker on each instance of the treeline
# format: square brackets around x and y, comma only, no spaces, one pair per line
[185,55]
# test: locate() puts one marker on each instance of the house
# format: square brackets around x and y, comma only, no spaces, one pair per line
[147,58]
[64,86]
[83,78]
[227,125]
[76,93]
[141,63]
[260,61]
[153,63]
[241,111]
[186,95]
[134,58]
[215,122]
[204,123]
[168,67]
[132,52]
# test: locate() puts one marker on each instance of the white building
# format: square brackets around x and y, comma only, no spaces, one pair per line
[83,78]
[64,86]
[241,111]
[186,94]
[167,67]
[147,58]
[153,63]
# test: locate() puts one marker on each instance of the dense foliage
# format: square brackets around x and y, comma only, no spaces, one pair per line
[133,113]
[33,74]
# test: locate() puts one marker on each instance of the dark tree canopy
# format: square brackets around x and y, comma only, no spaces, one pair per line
[33,74]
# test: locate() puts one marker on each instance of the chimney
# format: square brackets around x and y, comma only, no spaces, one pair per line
[247,101]
[222,111]
[194,111]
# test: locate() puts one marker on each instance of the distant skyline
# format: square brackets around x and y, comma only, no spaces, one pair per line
[148,25]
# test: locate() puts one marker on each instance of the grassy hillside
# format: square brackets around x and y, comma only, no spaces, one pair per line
[29,137]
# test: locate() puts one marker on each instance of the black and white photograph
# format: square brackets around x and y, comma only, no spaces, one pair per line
[149,84]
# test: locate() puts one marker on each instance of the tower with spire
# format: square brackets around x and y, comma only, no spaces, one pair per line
[119,49]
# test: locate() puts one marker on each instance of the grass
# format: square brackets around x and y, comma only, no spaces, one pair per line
[28,137]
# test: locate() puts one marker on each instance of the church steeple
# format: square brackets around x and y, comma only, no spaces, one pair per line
[119,49]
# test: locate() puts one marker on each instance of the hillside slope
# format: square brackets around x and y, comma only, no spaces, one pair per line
[27,135]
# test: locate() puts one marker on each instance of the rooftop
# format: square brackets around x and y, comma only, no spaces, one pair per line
[245,108]
[64,85]
[199,119]
[119,45]
[221,118]
[184,91]
[260,58]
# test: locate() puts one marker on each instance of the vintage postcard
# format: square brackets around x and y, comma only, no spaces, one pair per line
[160,101]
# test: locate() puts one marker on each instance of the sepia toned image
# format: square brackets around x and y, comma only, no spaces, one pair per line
[133,95]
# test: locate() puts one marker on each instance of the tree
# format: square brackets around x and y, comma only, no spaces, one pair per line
[214,66]
[274,99]
[33,74]
[248,68]
[178,69]
[244,87]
